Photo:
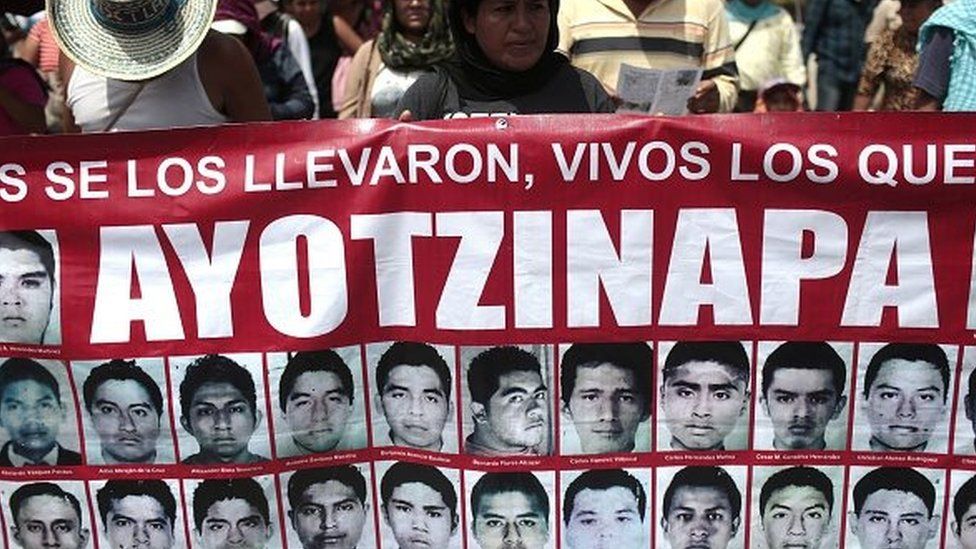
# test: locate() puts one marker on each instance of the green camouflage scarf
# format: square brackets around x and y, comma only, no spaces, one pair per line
[399,53]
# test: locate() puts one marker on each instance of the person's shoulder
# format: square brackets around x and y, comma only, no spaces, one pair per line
[424,99]
[5,455]
[594,91]
[217,46]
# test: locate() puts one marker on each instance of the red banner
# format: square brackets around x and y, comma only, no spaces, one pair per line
[508,332]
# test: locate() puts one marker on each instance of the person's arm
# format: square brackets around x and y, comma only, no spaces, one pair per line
[811,26]
[231,79]
[423,100]
[791,56]
[295,102]
[65,69]
[719,86]
[932,76]
[356,80]
[870,80]
[298,44]
[30,50]
[348,38]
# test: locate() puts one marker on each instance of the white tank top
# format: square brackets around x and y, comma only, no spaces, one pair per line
[174,99]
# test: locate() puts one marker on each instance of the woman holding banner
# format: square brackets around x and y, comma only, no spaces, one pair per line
[505,63]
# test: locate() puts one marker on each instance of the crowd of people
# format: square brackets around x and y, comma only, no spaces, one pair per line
[89,66]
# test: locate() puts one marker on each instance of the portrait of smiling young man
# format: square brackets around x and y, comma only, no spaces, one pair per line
[27,289]
[704,396]
[796,510]
[126,410]
[802,394]
[605,389]
[905,399]
[43,515]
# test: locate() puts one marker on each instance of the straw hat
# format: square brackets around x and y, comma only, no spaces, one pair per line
[129,39]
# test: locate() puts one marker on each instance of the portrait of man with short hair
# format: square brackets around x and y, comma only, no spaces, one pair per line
[138,514]
[796,509]
[28,287]
[605,390]
[509,404]
[232,513]
[33,414]
[43,515]
[329,508]
[963,525]
[319,401]
[219,408]
[125,408]
[414,385]
[419,506]
[605,509]
[704,394]
[965,441]
[802,394]
[701,507]
[509,510]
[904,399]
[894,507]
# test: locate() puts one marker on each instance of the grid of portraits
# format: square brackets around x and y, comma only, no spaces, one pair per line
[495,401]
[410,505]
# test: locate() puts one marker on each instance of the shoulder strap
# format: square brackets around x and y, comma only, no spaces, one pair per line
[746,35]
[125,106]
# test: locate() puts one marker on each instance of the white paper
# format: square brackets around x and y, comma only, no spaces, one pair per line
[656,91]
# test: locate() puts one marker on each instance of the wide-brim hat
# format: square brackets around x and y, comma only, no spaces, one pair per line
[129,39]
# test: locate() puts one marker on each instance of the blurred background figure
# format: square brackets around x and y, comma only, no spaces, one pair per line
[892,61]
[414,37]
[278,24]
[41,51]
[323,45]
[946,74]
[22,99]
[834,31]
[780,95]
[284,84]
[767,46]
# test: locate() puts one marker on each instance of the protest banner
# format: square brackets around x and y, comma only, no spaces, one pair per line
[561,331]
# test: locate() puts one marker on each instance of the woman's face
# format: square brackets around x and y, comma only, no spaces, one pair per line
[413,16]
[511,33]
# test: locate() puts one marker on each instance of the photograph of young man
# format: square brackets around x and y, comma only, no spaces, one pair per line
[894,507]
[802,393]
[327,507]
[45,516]
[315,396]
[795,509]
[509,404]
[969,410]
[701,509]
[964,515]
[508,511]
[605,390]
[231,514]
[905,397]
[137,514]
[419,505]
[218,404]
[32,414]
[704,393]
[413,395]
[605,509]
[26,287]
[125,407]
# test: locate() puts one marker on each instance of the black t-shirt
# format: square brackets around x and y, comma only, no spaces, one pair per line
[570,90]
[933,63]
[325,50]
